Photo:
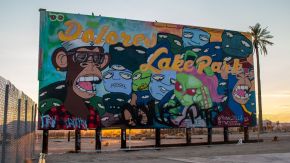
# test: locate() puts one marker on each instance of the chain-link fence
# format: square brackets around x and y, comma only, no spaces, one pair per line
[17,124]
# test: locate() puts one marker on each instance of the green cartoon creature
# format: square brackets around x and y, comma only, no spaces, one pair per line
[97,103]
[141,80]
[190,91]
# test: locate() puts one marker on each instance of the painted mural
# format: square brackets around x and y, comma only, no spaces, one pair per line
[100,72]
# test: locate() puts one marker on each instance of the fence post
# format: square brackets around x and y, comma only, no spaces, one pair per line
[246,133]
[77,140]
[188,135]
[45,141]
[4,137]
[98,139]
[18,129]
[157,137]
[226,134]
[123,138]
[209,135]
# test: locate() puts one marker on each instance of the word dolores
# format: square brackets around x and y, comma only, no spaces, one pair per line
[75,30]
[180,65]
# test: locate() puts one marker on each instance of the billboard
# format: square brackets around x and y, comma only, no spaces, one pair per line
[102,72]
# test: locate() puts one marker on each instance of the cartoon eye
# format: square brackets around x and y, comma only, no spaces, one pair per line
[158,77]
[191,91]
[203,38]
[120,100]
[55,104]
[217,47]
[145,96]
[229,34]
[172,81]
[246,44]
[178,87]
[43,105]
[140,51]
[196,50]
[80,57]
[108,75]
[118,67]
[162,36]
[187,35]
[52,17]
[119,48]
[206,50]
[137,76]
[60,17]
[101,106]
[125,75]
[43,93]
[60,87]
[107,99]
[177,42]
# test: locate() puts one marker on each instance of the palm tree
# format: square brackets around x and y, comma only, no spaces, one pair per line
[261,38]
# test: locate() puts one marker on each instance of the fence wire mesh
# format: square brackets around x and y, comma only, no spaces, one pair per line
[17,124]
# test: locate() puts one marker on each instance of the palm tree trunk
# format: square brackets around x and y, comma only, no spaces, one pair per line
[259,90]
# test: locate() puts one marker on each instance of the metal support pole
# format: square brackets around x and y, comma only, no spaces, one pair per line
[157,137]
[188,135]
[98,139]
[246,133]
[209,135]
[77,140]
[68,136]
[45,141]
[123,138]
[226,134]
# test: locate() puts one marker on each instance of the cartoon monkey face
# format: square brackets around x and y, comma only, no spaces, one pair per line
[83,66]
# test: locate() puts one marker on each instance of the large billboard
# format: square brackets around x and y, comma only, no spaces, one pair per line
[102,72]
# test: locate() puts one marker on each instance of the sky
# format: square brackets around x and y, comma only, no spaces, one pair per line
[19,31]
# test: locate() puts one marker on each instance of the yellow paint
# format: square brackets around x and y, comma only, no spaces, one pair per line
[246,110]
[111,38]
[68,35]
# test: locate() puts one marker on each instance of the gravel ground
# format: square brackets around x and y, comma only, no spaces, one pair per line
[267,151]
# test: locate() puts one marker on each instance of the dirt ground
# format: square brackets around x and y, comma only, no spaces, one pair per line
[266,151]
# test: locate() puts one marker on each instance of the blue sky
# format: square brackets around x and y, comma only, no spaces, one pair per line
[20,24]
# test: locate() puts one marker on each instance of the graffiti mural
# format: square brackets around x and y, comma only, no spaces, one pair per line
[100,72]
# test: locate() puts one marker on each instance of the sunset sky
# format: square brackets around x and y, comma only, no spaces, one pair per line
[19,31]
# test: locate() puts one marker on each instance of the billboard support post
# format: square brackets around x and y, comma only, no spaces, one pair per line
[123,138]
[226,134]
[98,139]
[77,140]
[209,135]
[157,137]
[188,135]
[68,136]
[45,141]
[246,133]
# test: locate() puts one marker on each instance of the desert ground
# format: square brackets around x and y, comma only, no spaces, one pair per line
[60,150]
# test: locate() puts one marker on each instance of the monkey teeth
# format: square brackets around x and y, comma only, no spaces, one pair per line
[87,83]
[241,92]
